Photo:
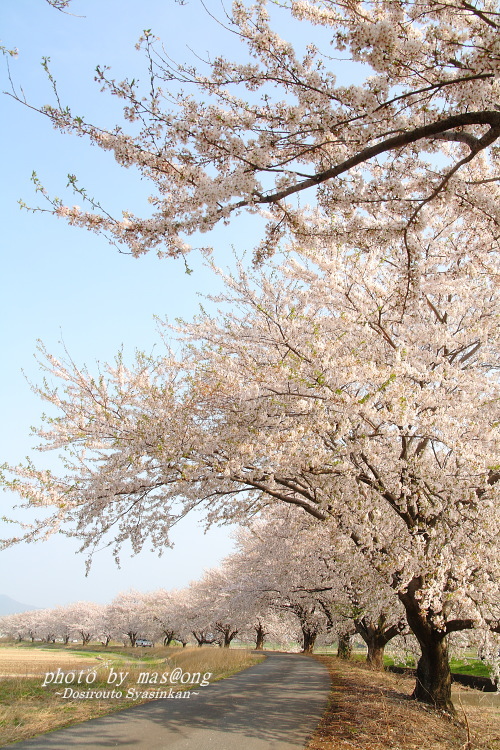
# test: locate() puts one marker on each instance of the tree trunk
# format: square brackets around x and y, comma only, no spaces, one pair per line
[433,669]
[309,639]
[259,639]
[433,676]
[229,637]
[227,634]
[200,638]
[377,635]
[344,648]
[375,655]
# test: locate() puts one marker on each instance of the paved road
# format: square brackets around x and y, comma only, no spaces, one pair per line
[274,705]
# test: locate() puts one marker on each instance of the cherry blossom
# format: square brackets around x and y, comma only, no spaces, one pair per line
[417,134]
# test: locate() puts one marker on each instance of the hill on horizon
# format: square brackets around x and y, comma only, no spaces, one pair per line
[10,606]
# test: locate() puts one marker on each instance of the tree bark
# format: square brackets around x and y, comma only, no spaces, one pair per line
[169,637]
[309,639]
[375,655]
[201,638]
[376,636]
[344,648]
[226,633]
[433,676]
[259,637]
[433,683]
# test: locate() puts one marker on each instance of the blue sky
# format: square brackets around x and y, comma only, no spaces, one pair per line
[61,282]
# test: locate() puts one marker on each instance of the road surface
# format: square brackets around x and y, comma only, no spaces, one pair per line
[274,705]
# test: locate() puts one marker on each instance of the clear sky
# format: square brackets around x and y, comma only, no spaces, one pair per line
[61,282]
[65,284]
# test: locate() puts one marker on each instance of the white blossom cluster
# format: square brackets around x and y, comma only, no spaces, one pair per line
[418,134]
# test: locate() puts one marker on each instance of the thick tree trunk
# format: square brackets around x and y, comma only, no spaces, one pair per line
[344,648]
[433,675]
[226,632]
[169,636]
[433,670]
[377,635]
[309,639]
[201,639]
[259,637]
[375,655]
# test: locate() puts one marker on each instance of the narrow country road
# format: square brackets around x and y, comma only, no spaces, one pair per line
[274,705]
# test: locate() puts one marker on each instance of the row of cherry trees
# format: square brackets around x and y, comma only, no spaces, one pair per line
[282,585]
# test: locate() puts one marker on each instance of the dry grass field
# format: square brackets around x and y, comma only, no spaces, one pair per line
[371,710]
[28,708]
[24,662]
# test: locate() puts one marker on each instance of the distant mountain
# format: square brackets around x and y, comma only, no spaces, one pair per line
[9,606]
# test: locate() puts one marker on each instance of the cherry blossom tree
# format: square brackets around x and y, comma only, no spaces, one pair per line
[129,616]
[209,613]
[20,625]
[269,572]
[326,386]
[85,618]
[359,380]
[416,134]
[165,609]
[250,577]
[62,619]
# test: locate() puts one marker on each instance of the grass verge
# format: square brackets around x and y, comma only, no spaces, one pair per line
[371,710]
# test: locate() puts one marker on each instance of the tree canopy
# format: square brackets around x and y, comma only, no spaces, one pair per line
[416,135]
